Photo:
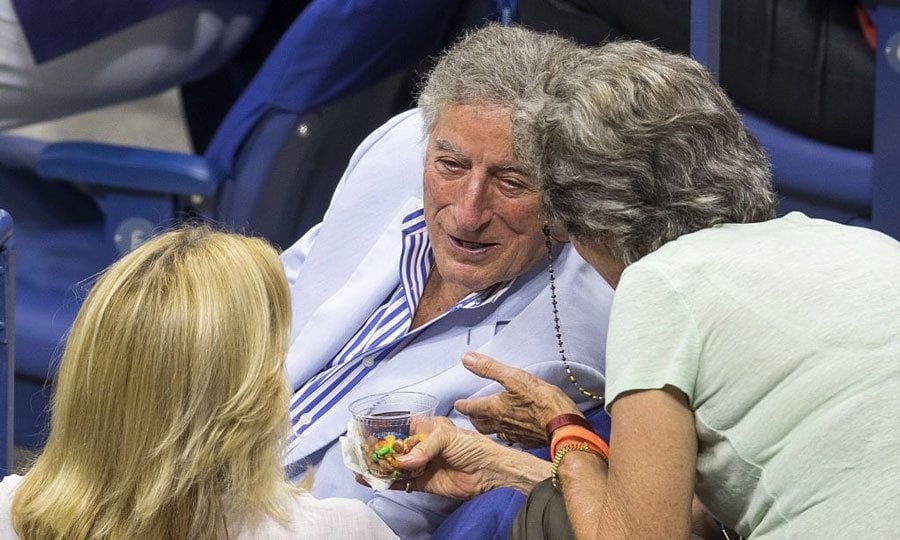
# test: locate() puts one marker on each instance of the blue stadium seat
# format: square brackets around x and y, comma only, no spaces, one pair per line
[7,341]
[339,71]
[823,180]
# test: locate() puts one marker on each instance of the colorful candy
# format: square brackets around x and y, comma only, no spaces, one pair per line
[381,454]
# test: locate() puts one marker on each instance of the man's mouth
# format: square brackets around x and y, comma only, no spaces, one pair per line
[471,245]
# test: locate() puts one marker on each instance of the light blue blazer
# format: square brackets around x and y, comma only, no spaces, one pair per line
[346,266]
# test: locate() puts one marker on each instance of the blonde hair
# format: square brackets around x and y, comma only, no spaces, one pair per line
[171,406]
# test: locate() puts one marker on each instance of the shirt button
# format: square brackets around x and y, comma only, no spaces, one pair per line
[369,362]
[305,418]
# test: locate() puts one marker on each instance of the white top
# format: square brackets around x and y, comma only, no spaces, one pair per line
[310,518]
[785,337]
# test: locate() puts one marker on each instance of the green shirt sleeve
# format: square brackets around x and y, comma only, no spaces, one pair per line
[653,339]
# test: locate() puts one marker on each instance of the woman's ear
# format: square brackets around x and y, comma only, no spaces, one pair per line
[557,233]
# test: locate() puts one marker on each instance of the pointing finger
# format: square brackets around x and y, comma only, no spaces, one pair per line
[511,378]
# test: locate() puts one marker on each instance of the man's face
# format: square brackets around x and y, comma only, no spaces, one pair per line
[481,209]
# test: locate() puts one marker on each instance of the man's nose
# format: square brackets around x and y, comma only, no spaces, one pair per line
[472,206]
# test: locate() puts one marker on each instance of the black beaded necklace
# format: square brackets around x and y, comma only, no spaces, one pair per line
[559,341]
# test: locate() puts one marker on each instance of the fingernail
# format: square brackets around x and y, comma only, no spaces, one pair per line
[469,358]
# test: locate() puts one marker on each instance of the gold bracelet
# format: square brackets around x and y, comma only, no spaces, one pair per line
[561,453]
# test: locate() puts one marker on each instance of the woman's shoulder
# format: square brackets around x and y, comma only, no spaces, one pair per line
[9,483]
[7,486]
[329,518]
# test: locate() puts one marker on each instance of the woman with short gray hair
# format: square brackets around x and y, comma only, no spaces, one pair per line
[647,154]
[750,360]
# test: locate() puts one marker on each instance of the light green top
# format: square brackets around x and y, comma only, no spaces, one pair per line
[785,337]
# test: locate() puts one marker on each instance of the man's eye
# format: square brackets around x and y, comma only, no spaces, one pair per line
[449,165]
[514,186]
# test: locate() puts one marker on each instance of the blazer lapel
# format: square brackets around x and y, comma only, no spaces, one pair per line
[418,367]
[410,370]
[344,312]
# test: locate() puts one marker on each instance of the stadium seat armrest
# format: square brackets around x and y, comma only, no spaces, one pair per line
[6,226]
[20,153]
[128,168]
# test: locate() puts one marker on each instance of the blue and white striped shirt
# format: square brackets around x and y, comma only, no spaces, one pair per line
[387,329]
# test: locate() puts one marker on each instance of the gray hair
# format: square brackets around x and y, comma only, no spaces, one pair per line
[642,146]
[499,66]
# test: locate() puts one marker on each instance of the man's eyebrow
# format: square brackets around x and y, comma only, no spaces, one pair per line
[511,167]
[446,146]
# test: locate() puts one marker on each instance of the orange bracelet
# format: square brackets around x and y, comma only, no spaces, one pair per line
[578,434]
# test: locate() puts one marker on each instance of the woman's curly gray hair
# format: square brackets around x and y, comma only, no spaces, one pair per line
[642,146]
[504,67]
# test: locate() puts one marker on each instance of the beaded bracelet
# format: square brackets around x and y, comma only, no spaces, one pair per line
[561,453]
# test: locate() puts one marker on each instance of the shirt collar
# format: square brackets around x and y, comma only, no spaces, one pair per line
[414,271]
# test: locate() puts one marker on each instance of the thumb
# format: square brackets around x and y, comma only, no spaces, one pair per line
[463,406]
[420,455]
[482,406]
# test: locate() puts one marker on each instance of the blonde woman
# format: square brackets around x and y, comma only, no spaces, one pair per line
[171,408]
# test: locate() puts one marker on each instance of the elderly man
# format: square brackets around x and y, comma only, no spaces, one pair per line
[403,276]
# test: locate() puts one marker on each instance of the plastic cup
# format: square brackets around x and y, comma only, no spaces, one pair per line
[390,425]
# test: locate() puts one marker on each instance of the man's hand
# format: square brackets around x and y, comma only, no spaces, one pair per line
[522,411]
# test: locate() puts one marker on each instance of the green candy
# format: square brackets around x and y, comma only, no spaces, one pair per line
[375,457]
[383,451]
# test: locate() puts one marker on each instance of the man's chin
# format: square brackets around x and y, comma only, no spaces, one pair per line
[466,280]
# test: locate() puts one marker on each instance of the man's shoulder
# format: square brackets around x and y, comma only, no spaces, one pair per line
[388,163]
[382,183]
[383,176]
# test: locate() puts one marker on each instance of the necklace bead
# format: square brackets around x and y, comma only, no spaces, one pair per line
[559,340]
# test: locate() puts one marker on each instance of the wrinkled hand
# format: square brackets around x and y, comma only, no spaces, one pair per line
[522,411]
[458,463]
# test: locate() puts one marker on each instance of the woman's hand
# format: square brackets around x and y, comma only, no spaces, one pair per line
[462,464]
[521,412]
